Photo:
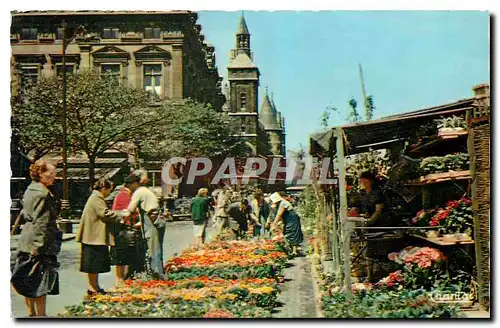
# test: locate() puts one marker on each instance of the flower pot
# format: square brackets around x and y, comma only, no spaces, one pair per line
[449,237]
[433,234]
[463,237]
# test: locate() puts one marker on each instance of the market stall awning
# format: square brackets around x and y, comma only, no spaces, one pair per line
[83,173]
[382,133]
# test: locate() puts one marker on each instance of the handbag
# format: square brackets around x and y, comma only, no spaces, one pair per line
[31,277]
[126,236]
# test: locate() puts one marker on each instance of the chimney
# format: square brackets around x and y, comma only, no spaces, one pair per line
[482,94]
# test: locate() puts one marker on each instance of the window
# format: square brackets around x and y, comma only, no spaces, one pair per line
[152,79]
[29,34]
[110,33]
[59,34]
[243,127]
[111,69]
[243,100]
[29,74]
[70,69]
[152,33]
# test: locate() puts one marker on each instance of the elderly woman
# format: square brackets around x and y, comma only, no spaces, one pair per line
[291,222]
[96,234]
[40,241]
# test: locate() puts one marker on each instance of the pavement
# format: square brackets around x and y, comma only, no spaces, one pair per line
[73,283]
[298,293]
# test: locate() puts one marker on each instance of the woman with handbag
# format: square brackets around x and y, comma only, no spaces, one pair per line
[36,271]
[96,234]
[124,255]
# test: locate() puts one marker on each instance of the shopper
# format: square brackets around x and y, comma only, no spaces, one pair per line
[292,229]
[145,201]
[199,213]
[125,255]
[96,234]
[36,271]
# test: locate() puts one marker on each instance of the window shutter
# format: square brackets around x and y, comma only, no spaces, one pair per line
[148,33]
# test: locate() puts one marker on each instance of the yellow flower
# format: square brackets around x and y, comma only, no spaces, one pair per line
[261,290]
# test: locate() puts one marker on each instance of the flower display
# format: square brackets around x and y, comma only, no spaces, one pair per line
[394,278]
[456,217]
[218,313]
[223,279]
[423,257]
[423,218]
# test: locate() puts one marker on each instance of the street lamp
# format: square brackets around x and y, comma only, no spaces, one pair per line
[65,43]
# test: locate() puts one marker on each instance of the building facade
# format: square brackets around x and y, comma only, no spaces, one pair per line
[263,129]
[162,52]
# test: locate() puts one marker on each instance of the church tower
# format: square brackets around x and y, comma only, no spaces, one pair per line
[269,119]
[243,78]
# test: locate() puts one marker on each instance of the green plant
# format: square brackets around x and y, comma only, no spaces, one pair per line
[378,303]
[450,162]
[452,122]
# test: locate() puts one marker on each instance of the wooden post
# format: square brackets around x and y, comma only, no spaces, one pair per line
[478,121]
[343,213]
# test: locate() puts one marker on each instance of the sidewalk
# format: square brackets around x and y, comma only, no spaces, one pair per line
[15,239]
[298,292]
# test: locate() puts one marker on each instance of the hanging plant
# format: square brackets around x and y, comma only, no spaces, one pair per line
[454,123]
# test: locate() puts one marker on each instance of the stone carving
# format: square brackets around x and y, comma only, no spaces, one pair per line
[46,37]
[172,34]
[131,36]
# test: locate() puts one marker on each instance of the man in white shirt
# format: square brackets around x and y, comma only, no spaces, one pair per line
[145,201]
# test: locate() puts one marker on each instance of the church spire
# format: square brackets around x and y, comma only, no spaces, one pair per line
[242,28]
[243,38]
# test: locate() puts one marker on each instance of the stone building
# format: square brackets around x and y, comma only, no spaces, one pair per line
[264,129]
[162,52]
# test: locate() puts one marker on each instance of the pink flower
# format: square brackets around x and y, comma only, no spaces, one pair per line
[393,256]
[426,263]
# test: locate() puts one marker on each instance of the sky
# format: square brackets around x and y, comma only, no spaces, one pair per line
[309,60]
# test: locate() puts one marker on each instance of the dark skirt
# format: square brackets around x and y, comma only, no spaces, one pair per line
[292,229]
[122,255]
[34,277]
[95,259]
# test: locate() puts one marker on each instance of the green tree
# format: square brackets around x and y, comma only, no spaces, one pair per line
[369,108]
[100,113]
[191,130]
[353,115]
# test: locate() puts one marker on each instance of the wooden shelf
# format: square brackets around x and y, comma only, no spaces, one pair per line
[438,139]
[441,242]
[440,177]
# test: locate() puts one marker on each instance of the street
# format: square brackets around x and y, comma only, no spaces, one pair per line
[73,283]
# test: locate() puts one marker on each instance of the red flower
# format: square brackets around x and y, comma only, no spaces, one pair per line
[348,188]
[453,204]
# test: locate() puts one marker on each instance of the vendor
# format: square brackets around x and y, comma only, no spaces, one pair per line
[371,200]
[371,205]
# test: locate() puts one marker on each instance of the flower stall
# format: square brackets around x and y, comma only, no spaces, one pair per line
[438,218]
[223,279]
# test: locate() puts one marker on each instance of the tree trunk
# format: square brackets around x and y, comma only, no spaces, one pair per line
[91,170]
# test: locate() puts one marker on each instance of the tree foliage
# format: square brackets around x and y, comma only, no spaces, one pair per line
[353,115]
[100,114]
[191,130]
